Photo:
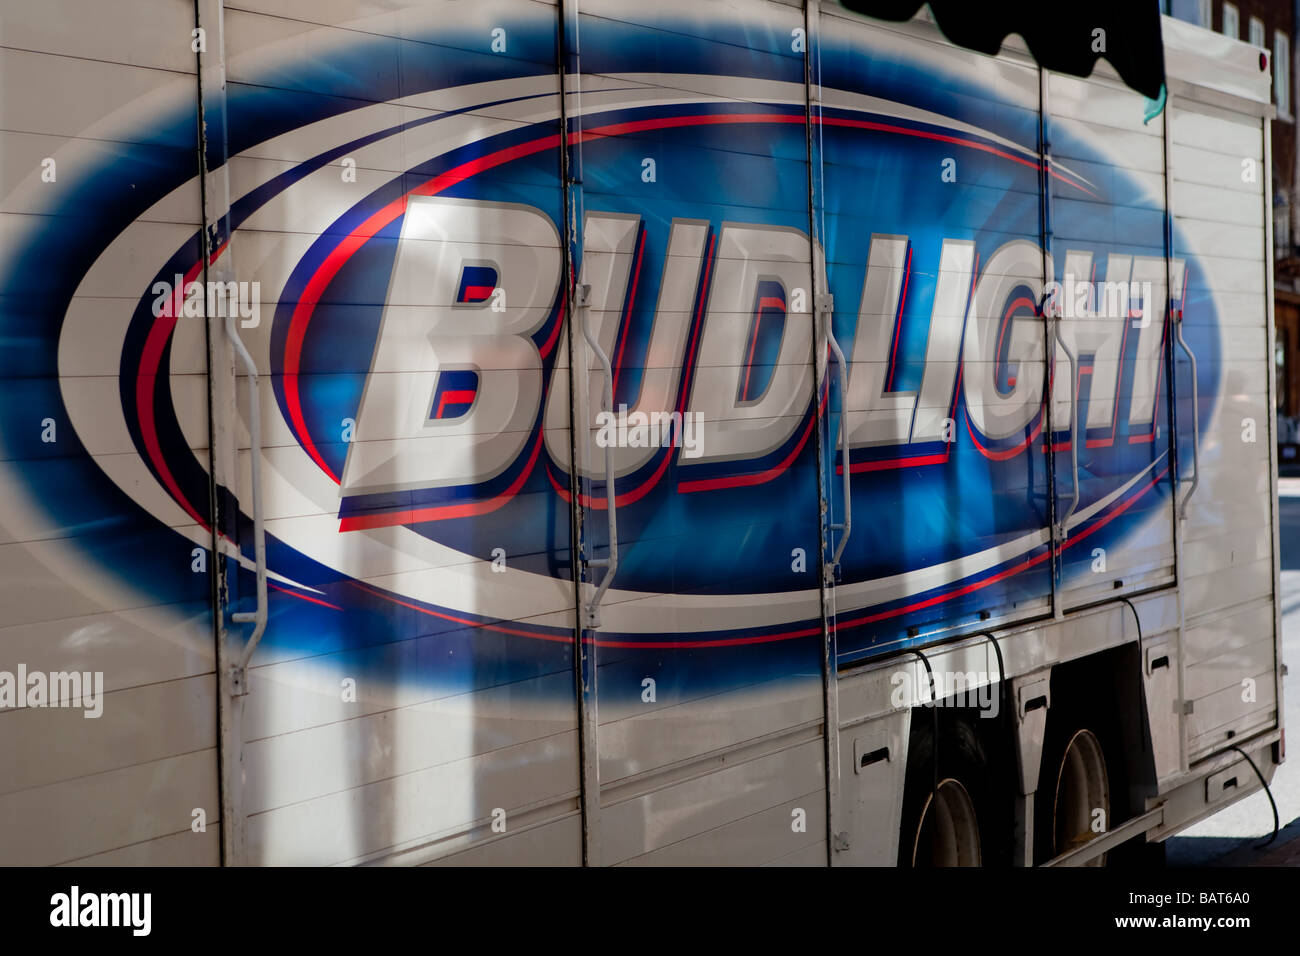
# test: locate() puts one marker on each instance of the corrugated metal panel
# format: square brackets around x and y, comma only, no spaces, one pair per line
[1228,575]
[120,787]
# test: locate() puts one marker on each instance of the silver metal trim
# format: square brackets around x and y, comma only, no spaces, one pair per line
[1061,530]
[1167,138]
[1126,831]
[239,686]
[846,526]
[1279,668]
[1196,416]
[591,610]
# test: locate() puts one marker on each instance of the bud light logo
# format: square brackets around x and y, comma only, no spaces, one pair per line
[433,413]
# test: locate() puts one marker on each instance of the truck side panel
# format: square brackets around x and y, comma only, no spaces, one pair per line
[87,584]
[441,221]
[1218,162]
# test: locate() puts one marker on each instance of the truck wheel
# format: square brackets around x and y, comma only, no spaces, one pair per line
[1073,804]
[941,825]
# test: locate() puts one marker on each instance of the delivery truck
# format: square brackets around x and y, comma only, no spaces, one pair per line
[588,432]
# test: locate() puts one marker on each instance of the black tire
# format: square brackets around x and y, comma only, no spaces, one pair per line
[961,759]
[1064,724]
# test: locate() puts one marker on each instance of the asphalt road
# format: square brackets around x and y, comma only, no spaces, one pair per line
[1231,837]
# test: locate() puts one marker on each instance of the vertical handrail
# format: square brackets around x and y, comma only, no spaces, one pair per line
[1049,341]
[845,526]
[258,617]
[583,302]
[1074,426]
[1196,419]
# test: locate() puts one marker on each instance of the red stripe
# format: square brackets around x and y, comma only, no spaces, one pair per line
[783,635]
[749,357]
[559,638]
[764,303]
[568,638]
[305,597]
[938,599]
[624,329]
[440,512]
[738,481]
[695,326]
[477,293]
[455,396]
[147,377]
[898,320]
[944,138]
[718,119]
[1006,572]
[975,586]
[936,459]
[549,344]
[629,498]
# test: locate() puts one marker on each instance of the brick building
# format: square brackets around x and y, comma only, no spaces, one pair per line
[1271,25]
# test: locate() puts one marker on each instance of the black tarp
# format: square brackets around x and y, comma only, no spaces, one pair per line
[1062,34]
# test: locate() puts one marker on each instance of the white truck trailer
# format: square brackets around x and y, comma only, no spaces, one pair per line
[517,432]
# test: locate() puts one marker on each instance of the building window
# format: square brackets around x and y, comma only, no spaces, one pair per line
[1281,225]
[1193,11]
[1257,32]
[1279,372]
[1282,73]
[1231,21]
